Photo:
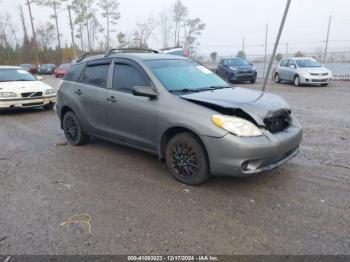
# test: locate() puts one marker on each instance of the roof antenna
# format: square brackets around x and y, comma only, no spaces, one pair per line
[276,45]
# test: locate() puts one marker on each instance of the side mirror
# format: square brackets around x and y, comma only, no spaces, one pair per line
[292,66]
[145,91]
[39,78]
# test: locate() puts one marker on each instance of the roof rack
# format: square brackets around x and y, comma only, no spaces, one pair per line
[130,50]
[169,48]
[85,55]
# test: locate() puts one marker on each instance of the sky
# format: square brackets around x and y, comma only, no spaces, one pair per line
[229,21]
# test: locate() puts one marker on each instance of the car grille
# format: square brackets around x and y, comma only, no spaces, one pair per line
[319,80]
[319,74]
[245,72]
[278,123]
[32,94]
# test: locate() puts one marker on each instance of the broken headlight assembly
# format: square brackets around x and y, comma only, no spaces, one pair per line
[236,126]
[7,94]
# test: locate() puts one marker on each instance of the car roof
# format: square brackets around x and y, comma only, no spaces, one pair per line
[9,67]
[136,56]
[298,58]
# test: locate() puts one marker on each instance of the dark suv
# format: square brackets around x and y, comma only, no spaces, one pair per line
[179,110]
[236,69]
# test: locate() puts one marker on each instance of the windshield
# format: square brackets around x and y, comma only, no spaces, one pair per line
[237,62]
[177,75]
[47,66]
[64,66]
[307,63]
[10,74]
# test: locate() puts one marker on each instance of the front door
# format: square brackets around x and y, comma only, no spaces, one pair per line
[131,119]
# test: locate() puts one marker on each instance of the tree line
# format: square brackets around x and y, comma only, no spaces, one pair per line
[93,27]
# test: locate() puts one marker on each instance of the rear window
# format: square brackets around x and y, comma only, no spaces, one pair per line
[74,72]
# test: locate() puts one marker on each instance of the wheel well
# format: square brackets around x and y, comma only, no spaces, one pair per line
[171,132]
[296,75]
[64,110]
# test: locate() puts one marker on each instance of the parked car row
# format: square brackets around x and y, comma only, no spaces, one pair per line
[47,69]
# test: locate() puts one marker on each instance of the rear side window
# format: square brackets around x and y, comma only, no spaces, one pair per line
[74,73]
[126,77]
[96,75]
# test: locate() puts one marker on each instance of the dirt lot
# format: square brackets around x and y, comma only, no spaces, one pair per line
[136,207]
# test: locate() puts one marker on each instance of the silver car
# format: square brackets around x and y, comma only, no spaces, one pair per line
[301,71]
[178,110]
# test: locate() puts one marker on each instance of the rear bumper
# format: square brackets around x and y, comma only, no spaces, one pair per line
[26,102]
[237,156]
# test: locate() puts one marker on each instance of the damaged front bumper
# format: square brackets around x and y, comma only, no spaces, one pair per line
[237,156]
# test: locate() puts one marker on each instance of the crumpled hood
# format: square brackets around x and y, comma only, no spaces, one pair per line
[24,86]
[255,103]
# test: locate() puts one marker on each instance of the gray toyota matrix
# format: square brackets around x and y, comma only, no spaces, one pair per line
[179,110]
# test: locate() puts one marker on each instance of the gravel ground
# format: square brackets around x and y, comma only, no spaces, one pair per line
[137,208]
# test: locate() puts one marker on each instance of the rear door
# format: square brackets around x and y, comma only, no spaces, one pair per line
[91,93]
[131,119]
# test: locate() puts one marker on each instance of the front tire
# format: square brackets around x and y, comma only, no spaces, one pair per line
[186,159]
[324,84]
[297,80]
[73,131]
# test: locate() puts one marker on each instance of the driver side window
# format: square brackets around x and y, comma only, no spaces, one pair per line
[126,77]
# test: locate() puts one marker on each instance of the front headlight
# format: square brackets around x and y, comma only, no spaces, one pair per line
[8,94]
[306,74]
[49,91]
[237,126]
[233,68]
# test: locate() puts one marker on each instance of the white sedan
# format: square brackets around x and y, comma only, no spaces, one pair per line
[20,89]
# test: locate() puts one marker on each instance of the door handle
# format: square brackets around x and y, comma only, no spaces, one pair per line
[112,99]
[78,92]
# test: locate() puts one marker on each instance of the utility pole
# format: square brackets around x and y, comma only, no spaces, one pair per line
[265,57]
[33,30]
[72,32]
[243,44]
[276,44]
[325,50]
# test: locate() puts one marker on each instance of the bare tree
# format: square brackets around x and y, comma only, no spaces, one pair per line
[214,56]
[55,5]
[110,12]
[165,26]
[46,35]
[143,32]
[84,13]
[95,28]
[241,54]
[193,28]
[180,13]
[121,39]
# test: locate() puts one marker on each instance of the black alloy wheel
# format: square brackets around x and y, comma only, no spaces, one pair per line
[186,159]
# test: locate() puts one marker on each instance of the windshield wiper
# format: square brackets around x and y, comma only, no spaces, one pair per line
[184,90]
[215,87]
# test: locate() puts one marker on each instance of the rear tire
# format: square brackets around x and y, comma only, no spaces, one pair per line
[73,131]
[49,106]
[277,78]
[186,159]
[297,80]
